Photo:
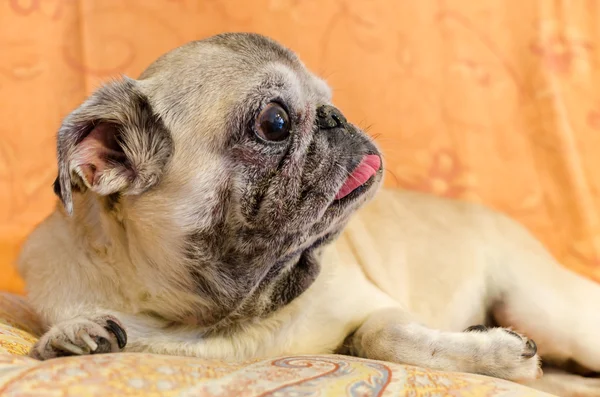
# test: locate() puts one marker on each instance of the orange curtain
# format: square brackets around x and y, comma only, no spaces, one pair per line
[491,101]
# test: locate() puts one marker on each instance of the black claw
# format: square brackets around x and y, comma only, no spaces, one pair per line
[531,349]
[476,328]
[119,333]
[513,333]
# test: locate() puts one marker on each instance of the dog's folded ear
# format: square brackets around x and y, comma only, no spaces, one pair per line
[112,143]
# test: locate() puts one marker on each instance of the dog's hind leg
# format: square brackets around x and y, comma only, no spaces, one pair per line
[531,292]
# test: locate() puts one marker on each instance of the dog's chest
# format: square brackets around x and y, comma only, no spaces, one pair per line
[321,318]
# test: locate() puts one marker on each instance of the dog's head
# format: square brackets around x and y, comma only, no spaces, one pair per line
[225,166]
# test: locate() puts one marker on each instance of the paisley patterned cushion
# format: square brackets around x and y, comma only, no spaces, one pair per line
[153,375]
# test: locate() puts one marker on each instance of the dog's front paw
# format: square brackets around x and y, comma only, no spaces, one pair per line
[506,354]
[104,334]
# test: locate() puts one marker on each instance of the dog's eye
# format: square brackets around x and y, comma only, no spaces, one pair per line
[273,123]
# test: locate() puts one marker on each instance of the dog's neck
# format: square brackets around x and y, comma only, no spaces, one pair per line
[103,230]
[236,273]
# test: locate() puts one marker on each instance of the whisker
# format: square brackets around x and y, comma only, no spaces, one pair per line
[374,136]
[348,174]
[365,128]
[396,179]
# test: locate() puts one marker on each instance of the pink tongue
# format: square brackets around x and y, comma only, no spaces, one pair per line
[366,169]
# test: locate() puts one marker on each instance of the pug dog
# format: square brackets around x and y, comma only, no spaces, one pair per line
[209,209]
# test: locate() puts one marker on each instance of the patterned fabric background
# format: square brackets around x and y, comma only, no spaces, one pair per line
[490,101]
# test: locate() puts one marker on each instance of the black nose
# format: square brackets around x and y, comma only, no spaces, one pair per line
[329,117]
